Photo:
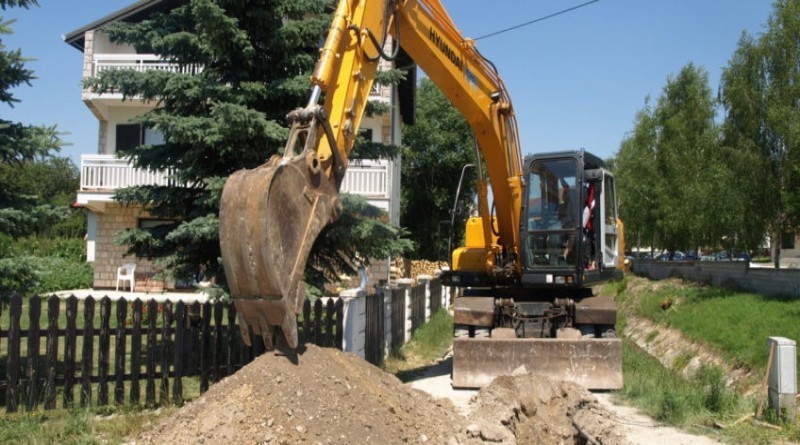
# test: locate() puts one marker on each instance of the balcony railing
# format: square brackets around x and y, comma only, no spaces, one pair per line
[369,179]
[141,63]
[108,172]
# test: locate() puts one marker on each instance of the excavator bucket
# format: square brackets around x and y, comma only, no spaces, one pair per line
[595,363]
[269,219]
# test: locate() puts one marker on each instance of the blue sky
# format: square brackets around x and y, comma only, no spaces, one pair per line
[576,80]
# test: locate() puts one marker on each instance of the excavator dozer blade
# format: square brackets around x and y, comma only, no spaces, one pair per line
[594,363]
[269,219]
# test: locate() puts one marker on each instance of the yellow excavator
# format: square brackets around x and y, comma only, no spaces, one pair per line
[530,259]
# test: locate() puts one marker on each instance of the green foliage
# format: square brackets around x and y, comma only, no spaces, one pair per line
[57,274]
[17,275]
[760,96]
[18,141]
[72,249]
[38,265]
[5,4]
[675,182]
[733,322]
[717,397]
[33,195]
[359,235]
[438,145]
[429,344]
[667,396]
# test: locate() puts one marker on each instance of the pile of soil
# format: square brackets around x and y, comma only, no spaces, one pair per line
[535,409]
[328,397]
[325,396]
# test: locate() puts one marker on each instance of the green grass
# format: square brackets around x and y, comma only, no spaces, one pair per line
[695,404]
[429,343]
[736,323]
[106,425]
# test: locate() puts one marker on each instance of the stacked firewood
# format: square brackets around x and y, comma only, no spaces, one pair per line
[424,267]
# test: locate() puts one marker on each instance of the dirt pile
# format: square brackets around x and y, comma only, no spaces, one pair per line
[330,397]
[534,409]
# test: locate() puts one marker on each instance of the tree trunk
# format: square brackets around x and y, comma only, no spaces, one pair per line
[776,248]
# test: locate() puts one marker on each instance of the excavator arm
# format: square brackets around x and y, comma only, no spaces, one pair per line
[271,215]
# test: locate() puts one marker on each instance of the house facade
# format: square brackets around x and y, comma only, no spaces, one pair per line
[102,171]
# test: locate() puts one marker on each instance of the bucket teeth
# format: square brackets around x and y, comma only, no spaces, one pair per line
[269,219]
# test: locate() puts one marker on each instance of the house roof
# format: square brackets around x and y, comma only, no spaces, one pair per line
[133,13]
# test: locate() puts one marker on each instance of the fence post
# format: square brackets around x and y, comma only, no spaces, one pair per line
[425,280]
[405,284]
[354,322]
[386,294]
[32,375]
[53,306]
[12,365]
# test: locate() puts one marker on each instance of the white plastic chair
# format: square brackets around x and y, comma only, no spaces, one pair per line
[126,273]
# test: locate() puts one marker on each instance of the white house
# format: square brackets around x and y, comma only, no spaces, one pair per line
[102,172]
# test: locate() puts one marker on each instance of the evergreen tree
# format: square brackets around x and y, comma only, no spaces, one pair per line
[19,141]
[245,64]
[24,148]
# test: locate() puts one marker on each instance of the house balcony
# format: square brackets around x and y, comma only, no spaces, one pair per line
[153,62]
[100,103]
[102,175]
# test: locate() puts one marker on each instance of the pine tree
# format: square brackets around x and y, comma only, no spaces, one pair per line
[245,64]
[18,141]
[21,211]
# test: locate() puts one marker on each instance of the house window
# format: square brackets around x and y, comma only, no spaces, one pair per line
[149,223]
[130,136]
[366,133]
[787,240]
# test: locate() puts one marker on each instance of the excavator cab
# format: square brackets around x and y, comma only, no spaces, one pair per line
[570,236]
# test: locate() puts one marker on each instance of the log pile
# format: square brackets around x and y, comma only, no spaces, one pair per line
[424,267]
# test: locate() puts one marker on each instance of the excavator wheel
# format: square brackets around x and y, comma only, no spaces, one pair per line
[269,219]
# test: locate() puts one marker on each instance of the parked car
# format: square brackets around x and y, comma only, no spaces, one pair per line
[677,256]
[724,255]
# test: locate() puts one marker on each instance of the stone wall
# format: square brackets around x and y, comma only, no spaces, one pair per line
[732,274]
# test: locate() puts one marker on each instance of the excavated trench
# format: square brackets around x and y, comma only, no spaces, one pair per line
[331,397]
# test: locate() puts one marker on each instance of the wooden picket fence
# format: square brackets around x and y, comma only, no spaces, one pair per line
[155,345]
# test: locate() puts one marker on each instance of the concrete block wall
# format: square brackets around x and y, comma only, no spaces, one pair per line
[732,274]
[355,321]
[387,323]
[406,284]
[109,256]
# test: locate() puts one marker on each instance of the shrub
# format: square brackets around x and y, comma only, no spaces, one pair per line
[717,397]
[57,274]
[16,276]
